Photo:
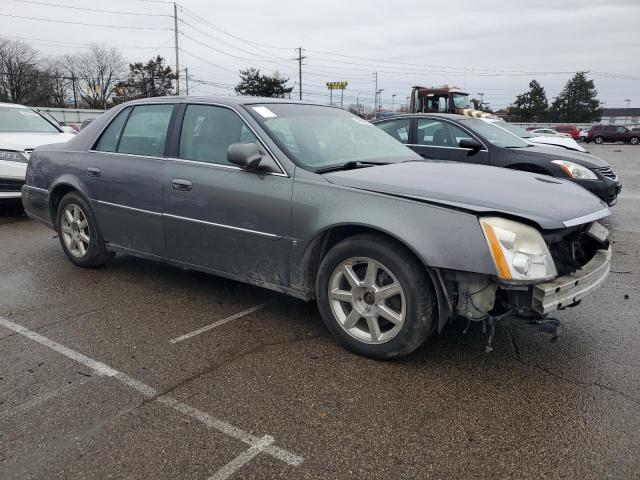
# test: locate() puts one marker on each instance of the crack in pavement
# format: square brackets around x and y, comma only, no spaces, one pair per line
[575,381]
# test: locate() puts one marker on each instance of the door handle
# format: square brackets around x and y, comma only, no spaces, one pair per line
[93,172]
[181,184]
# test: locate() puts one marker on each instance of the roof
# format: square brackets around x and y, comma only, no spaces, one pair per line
[450,116]
[621,112]
[12,105]
[225,100]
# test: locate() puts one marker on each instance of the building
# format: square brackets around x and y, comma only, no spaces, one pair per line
[620,116]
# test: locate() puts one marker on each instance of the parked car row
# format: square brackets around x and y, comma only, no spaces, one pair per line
[317,203]
[597,133]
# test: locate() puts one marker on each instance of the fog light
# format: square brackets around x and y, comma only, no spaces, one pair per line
[521,263]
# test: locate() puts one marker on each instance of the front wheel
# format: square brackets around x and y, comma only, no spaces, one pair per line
[598,140]
[375,297]
[634,141]
[79,234]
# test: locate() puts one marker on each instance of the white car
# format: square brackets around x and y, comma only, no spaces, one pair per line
[558,140]
[550,132]
[21,130]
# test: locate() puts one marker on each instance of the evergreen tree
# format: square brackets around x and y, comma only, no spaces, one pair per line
[151,79]
[252,83]
[531,106]
[577,101]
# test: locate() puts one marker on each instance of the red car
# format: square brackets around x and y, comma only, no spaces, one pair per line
[569,129]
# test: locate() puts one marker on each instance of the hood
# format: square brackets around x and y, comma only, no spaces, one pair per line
[563,142]
[21,141]
[549,202]
[582,158]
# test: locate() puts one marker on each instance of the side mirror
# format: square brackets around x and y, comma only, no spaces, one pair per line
[244,155]
[470,143]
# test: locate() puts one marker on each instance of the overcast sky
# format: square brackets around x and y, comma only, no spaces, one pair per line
[484,46]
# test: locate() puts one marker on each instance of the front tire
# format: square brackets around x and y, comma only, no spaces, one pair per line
[634,141]
[79,234]
[375,297]
[598,140]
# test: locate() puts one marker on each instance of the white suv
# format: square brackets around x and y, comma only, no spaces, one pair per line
[21,130]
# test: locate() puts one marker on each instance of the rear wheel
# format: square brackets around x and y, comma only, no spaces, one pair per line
[598,140]
[375,297]
[79,234]
[634,141]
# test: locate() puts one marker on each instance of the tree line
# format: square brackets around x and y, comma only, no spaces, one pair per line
[94,78]
[577,102]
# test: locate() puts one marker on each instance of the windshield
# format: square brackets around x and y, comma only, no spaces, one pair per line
[516,130]
[461,101]
[495,135]
[14,119]
[318,137]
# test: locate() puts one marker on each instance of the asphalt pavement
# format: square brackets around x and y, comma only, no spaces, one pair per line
[142,370]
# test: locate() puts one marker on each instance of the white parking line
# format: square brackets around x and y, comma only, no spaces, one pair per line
[206,328]
[258,444]
[245,457]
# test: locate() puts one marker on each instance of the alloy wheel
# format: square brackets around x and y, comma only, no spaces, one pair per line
[75,230]
[367,300]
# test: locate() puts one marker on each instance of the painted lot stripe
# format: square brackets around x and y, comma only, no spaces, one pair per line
[213,325]
[245,457]
[153,394]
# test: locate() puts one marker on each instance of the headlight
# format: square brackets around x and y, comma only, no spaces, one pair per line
[519,251]
[573,170]
[12,156]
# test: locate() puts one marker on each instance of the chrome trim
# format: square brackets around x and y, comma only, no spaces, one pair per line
[437,146]
[226,167]
[37,189]
[587,218]
[149,212]
[229,227]
[195,220]
[127,155]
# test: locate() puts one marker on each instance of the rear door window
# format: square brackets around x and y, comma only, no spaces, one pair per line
[146,130]
[109,140]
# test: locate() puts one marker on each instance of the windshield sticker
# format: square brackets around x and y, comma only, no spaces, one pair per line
[28,113]
[264,112]
[360,121]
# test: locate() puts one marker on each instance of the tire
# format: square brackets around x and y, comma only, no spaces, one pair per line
[634,140]
[79,234]
[598,140]
[413,308]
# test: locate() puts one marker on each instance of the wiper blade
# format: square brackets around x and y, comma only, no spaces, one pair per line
[349,166]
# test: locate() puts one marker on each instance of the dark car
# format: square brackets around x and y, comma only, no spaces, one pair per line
[612,133]
[569,130]
[315,202]
[473,140]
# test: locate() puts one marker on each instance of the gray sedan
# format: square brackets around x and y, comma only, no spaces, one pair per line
[314,202]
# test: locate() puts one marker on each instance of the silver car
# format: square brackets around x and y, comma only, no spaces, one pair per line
[315,202]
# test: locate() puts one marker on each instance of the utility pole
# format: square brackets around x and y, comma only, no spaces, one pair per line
[186,80]
[409,104]
[299,59]
[375,97]
[393,102]
[175,39]
[626,113]
[73,85]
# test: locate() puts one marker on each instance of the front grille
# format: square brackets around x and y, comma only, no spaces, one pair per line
[607,172]
[7,185]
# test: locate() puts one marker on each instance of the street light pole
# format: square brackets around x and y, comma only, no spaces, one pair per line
[393,102]
[626,113]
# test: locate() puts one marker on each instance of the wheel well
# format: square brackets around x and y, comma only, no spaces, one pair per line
[320,245]
[527,167]
[54,199]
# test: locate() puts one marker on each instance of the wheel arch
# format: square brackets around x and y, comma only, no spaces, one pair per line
[56,194]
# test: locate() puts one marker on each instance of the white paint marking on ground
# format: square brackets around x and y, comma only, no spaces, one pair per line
[206,328]
[241,460]
[150,392]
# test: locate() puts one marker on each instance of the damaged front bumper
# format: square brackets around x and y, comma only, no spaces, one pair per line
[570,289]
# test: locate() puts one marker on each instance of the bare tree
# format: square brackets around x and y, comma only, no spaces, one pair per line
[97,71]
[18,70]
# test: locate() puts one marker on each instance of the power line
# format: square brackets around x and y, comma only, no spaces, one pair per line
[117,12]
[84,24]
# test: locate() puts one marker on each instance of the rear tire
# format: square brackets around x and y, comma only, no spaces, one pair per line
[375,297]
[79,234]
[598,140]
